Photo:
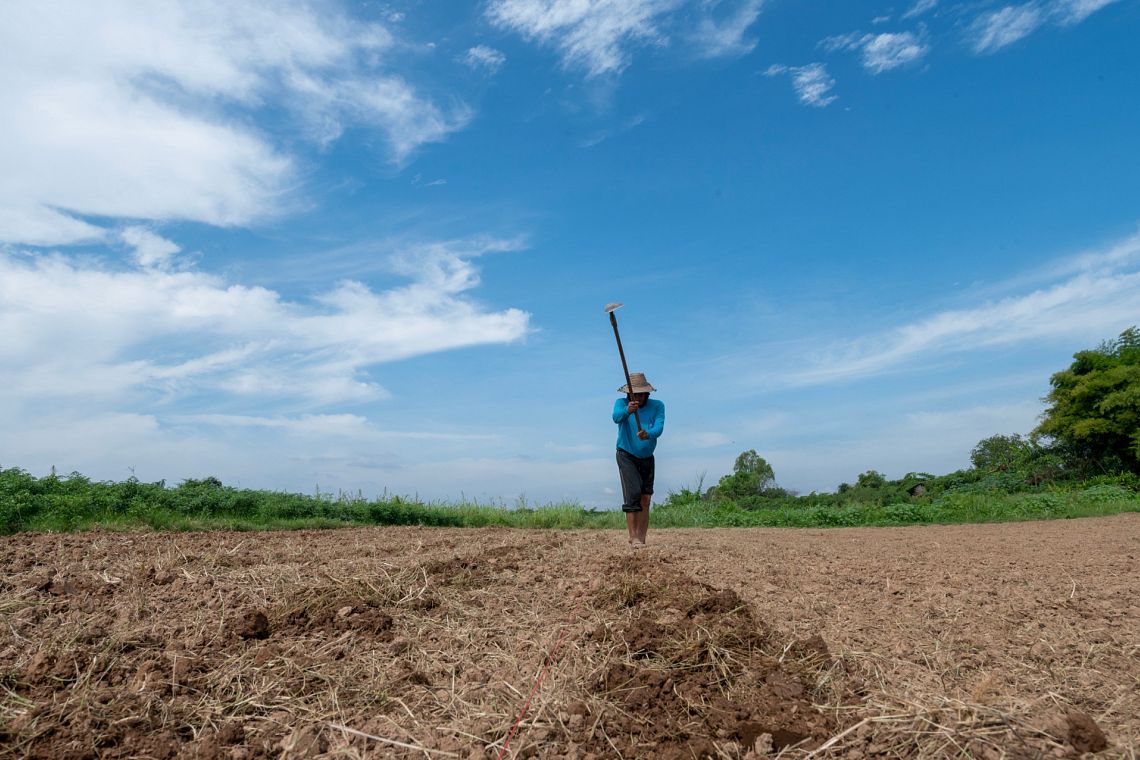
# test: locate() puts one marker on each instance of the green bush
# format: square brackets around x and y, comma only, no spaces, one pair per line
[1040,504]
[1100,494]
[907,512]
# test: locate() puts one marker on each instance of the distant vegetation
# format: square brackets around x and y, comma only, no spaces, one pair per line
[1082,460]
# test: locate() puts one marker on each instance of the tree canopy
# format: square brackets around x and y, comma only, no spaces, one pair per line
[1094,406]
[1001,453]
[751,476]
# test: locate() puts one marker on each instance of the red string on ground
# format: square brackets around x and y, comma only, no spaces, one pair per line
[526,705]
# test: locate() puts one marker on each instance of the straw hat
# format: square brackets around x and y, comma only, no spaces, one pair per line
[640,384]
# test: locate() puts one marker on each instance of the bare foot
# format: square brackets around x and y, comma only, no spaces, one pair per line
[637,544]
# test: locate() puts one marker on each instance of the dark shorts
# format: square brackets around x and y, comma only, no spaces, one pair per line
[636,479]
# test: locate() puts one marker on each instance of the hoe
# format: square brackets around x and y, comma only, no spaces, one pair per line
[610,309]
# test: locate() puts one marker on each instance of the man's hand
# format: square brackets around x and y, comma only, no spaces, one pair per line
[643,435]
[633,407]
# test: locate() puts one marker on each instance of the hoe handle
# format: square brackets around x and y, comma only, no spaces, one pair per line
[625,368]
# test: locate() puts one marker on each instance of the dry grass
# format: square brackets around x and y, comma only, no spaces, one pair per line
[427,643]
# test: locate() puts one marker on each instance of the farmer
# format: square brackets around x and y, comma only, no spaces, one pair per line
[635,452]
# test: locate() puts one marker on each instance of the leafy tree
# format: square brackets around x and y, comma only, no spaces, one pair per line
[1028,460]
[751,476]
[1094,407]
[871,479]
[751,463]
[1001,453]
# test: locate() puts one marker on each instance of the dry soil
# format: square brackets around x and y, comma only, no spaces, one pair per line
[1014,640]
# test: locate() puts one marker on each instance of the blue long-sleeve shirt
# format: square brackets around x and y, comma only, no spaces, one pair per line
[652,422]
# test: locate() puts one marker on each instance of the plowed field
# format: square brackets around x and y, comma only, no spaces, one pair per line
[1015,640]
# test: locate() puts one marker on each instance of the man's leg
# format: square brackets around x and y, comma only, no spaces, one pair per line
[647,469]
[643,518]
[630,490]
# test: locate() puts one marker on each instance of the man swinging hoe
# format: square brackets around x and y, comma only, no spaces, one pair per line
[640,422]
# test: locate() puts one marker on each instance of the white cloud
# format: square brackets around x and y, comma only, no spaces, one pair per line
[590,34]
[484,58]
[1075,11]
[716,38]
[605,134]
[1120,255]
[149,332]
[110,110]
[348,425]
[879,52]
[1101,298]
[151,250]
[920,7]
[994,30]
[883,52]
[598,36]
[849,41]
[811,82]
[392,105]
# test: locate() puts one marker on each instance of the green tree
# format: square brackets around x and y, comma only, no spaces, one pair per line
[751,463]
[751,476]
[1001,453]
[1094,407]
[1029,458]
[871,479]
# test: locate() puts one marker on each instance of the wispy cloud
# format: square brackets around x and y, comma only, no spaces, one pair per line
[1101,297]
[158,104]
[419,181]
[591,34]
[599,36]
[880,52]
[812,83]
[883,52]
[726,37]
[484,58]
[995,30]
[605,134]
[920,7]
[1075,11]
[849,41]
[347,425]
[176,334]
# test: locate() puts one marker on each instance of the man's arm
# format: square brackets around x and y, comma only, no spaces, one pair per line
[658,427]
[621,411]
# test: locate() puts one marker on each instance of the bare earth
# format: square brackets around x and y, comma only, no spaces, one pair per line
[1018,640]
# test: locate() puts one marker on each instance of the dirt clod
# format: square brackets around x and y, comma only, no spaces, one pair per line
[252,625]
[1084,734]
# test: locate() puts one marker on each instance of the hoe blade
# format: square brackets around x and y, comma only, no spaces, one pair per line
[612,307]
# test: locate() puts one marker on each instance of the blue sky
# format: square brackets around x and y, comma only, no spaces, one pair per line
[366,246]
